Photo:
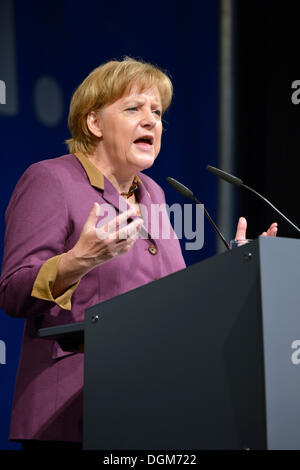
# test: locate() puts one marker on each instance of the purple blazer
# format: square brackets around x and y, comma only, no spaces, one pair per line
[46,213]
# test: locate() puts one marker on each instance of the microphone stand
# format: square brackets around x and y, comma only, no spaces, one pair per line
[238,182]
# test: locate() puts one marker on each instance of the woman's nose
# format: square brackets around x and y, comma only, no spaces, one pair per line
[149,123]
[148,120]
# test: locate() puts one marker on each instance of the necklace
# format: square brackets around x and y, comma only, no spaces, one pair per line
[132,189]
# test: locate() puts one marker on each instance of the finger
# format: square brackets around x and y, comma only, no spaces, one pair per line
[241,229]
[272,230]
[93,215]
[122,218]
[112,226]
[129,231]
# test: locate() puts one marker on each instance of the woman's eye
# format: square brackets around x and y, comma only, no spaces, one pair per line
[132,108]
[158,112]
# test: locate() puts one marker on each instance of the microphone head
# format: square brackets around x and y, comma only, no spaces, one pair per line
[186,192]
[225,176]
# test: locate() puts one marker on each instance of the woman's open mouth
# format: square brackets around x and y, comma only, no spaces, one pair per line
[144,142]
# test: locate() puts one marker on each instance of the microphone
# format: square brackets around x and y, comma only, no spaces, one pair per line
[186,192]
[238,182]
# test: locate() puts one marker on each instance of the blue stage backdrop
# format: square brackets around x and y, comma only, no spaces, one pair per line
[47,48]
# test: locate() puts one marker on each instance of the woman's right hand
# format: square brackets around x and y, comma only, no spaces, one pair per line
[98,245]
[95,246]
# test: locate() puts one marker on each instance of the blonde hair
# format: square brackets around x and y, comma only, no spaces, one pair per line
[103,86]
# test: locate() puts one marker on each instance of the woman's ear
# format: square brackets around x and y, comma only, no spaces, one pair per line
[93,123]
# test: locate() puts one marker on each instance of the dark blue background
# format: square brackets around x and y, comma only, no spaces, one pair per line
[66,40]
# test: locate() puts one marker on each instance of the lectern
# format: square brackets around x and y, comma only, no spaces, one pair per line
[206,358]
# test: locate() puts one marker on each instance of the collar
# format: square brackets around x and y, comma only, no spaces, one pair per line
[96,178]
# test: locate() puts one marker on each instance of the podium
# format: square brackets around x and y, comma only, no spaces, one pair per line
[205,358]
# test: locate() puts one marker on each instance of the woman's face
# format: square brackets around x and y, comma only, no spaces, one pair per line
[130,130]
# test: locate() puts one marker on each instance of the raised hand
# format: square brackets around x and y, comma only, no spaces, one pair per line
[242,229]
[96,246]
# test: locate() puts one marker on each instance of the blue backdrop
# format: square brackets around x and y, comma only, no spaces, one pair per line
[46,50]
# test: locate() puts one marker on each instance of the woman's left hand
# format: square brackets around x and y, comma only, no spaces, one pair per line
[242,228]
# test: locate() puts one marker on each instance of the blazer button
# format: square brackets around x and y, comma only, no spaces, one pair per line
[152,249]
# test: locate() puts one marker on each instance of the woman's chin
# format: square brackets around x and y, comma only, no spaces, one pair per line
[144,161]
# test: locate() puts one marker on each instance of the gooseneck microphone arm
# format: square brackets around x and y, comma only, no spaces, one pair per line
[212,223]
[184,191]
[238,182]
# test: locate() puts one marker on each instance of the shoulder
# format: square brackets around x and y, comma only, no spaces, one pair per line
[46,179]
[59,171]
[54,166]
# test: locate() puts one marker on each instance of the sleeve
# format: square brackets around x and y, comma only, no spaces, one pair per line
[42,287]
[37,227]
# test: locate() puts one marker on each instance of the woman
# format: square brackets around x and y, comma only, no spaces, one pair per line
[58,261]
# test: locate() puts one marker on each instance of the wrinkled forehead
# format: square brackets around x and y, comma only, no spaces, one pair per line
[136,93]
[138,90]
